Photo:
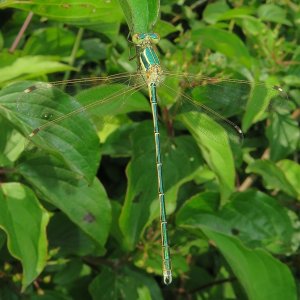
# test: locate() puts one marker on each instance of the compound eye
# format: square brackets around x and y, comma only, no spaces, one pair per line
[138,38]
[154,38]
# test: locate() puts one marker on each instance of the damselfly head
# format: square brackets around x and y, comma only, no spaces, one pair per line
[140,39]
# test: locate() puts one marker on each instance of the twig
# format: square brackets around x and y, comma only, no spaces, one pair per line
[21,32]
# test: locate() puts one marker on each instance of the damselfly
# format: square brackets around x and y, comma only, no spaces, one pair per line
[198,95]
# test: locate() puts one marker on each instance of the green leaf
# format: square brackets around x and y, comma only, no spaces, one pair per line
[102,16]
[283,135]
[124,101]
[27,67]
[256,219]
[74,140]
[165,28]
[50,41]
[253,26]
[69,238]
[273,13]
[181,160]
[216,150]
[225,42]
[257,103]
[273,176]
[291,171]
[86,205]
[125,284]
[11,144]
[262,276]
[259,221]
[141,16]
[24,220]
[213,11]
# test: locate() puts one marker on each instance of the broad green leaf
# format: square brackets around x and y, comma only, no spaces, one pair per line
[273,13]
[283,134]
[274,177]
[86,205]
[181,160]
[24,220]
[291,171]
[225,42]
[141,16]
[27,67]
[262,276]
[74,140]
[124,284]
[215,149]
[259,221]
[101,16]
[256,219]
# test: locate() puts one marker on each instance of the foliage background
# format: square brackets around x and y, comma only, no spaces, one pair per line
[233,215]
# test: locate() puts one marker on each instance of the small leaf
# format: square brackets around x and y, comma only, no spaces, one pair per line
[225,42]
[213,11]
[31,66]
[291,170]
[165,28]
[283,135]
[11,144]
[216,151]
[273,13]
[24,220]
[86,205]
[273,176]
[257,103]
[141,16]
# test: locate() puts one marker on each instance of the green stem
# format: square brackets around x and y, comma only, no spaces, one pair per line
[74,52]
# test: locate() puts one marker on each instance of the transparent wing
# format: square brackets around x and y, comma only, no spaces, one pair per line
[48,104]
[221,100]
[218,99]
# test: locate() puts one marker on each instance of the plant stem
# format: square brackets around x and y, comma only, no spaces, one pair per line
[74,52]
[21,32]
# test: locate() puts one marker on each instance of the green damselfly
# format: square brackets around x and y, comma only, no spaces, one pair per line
[151,75]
